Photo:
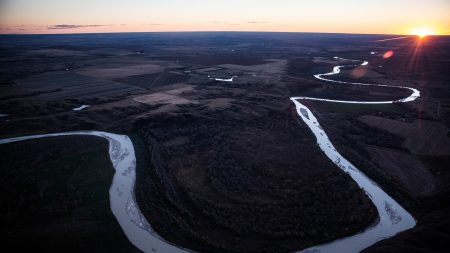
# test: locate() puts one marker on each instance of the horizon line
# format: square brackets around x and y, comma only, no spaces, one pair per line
[220,31]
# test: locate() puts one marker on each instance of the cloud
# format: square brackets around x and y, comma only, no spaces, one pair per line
[155,24]
[257,22]
[64,26]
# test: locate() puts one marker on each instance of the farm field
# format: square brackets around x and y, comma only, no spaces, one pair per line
[422,137]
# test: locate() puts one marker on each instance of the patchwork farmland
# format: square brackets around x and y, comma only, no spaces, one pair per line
[62,85]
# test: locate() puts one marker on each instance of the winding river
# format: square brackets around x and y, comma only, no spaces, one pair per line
[392,217]
[121,194]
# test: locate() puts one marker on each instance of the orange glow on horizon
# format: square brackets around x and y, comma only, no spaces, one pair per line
[324,16]
[187,27]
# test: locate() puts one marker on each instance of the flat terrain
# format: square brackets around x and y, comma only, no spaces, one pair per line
[230,166]
[55,197]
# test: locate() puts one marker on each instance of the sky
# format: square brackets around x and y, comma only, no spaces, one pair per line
[344,16]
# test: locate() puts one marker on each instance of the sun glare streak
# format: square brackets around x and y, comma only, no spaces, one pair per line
[396,38]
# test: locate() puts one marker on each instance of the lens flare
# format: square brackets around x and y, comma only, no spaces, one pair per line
[358,72]
[388,54]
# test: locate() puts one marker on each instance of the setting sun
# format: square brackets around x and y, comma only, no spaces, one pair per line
[423,32]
